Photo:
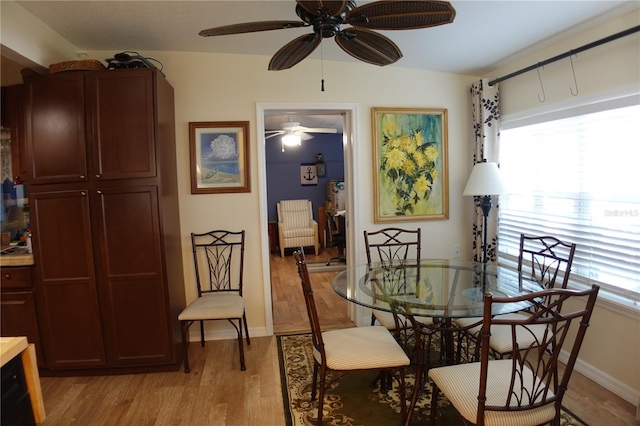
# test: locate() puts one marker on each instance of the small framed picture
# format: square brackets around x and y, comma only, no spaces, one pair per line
[219,157]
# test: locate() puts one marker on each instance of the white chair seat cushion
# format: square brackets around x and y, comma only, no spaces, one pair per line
[501,334]
[386,320]
[468,322]
[298,232]
[361,348]
[460,383]
[214,306]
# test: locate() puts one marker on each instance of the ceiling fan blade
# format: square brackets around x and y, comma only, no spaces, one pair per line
[332,8]
[368,46]
[318,130]
[294,52]
[304,136]
[274,134]
[251,27]
[401,15]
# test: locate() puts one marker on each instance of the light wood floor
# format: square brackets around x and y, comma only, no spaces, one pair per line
[216,392]
[289,310]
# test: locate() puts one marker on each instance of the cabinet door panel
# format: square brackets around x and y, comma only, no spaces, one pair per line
[19,318]
[65,280]
[122,115]
[13,119]
[56,128]
[131,276]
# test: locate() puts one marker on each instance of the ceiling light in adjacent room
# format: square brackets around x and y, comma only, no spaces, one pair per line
[290,139]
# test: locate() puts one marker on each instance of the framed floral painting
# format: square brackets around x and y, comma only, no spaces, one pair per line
[219,157]
[410,164]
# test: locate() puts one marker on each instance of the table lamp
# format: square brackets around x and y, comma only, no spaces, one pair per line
[485,180]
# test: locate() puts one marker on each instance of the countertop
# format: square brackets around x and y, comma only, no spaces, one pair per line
[12,347]
[16,259]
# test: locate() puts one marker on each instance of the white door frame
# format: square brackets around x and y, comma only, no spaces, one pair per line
[350,134]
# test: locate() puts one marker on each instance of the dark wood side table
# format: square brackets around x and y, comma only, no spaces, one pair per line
[273,236]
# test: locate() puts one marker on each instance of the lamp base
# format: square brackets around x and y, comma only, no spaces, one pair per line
[486,208]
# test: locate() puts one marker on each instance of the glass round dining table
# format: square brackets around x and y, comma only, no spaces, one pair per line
[441,289]
[432,288]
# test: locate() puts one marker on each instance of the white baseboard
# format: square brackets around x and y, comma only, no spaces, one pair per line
[622,390]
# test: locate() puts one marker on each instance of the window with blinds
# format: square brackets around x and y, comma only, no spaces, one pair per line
[577,178]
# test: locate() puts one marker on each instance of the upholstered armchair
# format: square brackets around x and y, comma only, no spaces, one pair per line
[296,227]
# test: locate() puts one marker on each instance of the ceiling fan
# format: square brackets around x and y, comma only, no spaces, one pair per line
[293,133]
[326,18]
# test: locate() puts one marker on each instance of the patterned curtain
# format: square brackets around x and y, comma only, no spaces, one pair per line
[485,105]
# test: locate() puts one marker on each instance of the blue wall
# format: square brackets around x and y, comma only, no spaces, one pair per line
[283,170]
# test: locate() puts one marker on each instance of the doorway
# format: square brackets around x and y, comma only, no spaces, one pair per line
[349,113]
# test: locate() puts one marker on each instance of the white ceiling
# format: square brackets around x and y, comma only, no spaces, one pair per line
[483,34]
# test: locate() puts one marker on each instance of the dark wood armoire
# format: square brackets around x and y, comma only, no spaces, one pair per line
[103,196]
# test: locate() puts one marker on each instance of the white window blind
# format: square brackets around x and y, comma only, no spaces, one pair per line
[577,179]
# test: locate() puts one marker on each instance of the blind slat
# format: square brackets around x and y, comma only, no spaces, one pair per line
[575,179]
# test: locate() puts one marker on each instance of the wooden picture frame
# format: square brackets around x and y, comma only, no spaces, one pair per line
[410,172]
[219,153]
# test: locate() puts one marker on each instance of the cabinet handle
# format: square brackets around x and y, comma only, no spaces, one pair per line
[82,176]
[7,276]
[98,176]
[99,192]
[83,193]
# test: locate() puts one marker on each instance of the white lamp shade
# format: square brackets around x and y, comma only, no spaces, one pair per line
[485,179]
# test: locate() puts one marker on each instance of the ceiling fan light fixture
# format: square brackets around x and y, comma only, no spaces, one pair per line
[291,139]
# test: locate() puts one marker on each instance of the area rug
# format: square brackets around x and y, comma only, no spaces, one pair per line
[354,399]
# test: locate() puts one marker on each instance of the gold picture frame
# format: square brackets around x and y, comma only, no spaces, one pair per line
[410,156]
[219,153]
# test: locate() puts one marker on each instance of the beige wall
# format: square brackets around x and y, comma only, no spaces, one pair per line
[606,68]
[210,87]
[30,40]
[10,72]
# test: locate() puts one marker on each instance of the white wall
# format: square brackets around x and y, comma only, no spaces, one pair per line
[611,351]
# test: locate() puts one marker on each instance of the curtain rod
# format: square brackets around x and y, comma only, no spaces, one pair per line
[567,54]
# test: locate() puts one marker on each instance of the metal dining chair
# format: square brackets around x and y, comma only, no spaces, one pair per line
[349,349]
[542,259]
[218,258]
[392,245]
[337,237]
[521,389]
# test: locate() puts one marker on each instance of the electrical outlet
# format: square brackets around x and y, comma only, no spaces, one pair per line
[456,251]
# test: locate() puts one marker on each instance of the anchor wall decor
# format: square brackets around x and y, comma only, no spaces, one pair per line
[308,174]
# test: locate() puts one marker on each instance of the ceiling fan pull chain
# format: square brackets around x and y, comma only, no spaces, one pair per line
[321,68]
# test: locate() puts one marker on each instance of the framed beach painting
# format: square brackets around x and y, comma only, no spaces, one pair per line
[219,157]
[410,164]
